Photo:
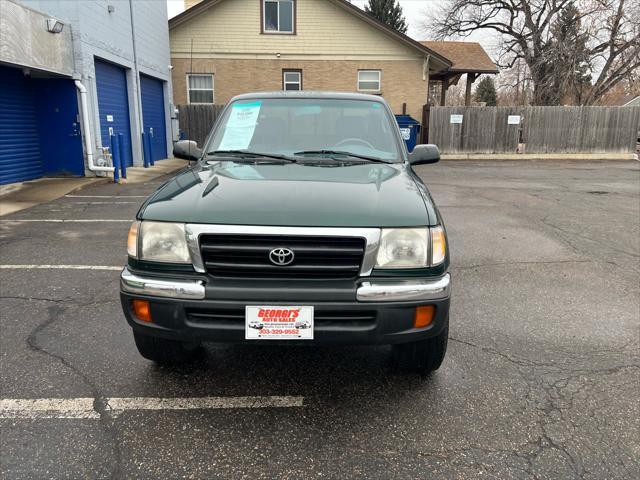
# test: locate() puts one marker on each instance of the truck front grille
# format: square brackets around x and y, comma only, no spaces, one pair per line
[315,257]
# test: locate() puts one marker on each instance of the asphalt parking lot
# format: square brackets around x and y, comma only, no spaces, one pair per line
[541,379]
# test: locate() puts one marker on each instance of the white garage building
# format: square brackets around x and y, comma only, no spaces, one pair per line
[74,73]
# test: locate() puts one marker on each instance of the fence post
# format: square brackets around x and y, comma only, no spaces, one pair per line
[426,110]
[123,163]
[115,155]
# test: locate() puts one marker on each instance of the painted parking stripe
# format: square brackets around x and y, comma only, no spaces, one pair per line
[83,408]
[59,267]
[41,408]
[105,196]
[104,203]
[202,403]
[60,220]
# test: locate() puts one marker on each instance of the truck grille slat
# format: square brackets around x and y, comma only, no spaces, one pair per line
[257,249]
[290,268]
[314,256]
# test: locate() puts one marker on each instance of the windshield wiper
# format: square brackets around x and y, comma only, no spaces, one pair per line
[249,154]
[332,153]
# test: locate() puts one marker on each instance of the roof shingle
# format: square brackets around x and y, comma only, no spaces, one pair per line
[466,56]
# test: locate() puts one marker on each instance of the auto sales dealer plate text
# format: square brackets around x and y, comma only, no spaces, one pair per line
[268,322]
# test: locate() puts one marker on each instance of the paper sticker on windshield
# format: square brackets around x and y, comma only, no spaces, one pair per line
[240,126]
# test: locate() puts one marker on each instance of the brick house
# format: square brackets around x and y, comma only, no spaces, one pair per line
[221,48]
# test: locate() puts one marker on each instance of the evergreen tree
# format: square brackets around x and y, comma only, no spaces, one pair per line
[389,12]
[486,92]
[569,77]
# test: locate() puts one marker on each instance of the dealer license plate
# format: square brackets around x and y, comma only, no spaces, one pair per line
[268,322]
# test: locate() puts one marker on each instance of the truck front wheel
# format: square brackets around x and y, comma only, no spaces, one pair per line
[424,356]
[165,352]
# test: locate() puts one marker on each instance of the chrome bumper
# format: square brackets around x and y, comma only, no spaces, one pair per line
[186,289]
[369,291]
[408,290]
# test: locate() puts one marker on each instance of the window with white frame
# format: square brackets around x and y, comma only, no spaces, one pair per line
[200,87]
[292,80]
[278,16]
[369,80]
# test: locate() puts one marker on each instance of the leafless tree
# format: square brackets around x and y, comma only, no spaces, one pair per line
[525,28]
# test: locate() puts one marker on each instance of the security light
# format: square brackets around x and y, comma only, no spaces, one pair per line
[54,26]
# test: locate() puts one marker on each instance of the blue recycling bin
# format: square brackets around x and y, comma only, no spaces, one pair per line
[410,129]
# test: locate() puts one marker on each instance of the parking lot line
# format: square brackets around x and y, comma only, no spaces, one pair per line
[106,196]
[61,220]
[61,267]
[105,203]
[41,408]
[84,408]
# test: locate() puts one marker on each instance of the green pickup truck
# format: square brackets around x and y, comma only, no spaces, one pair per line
[301,221]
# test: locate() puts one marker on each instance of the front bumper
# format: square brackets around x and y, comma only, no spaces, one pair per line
[364,312]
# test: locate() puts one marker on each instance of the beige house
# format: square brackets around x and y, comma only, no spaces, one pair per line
[221,48]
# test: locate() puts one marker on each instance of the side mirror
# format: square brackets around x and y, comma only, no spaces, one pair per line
[423,154]
[186,149]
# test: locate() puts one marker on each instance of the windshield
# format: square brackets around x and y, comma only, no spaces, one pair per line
[288,126]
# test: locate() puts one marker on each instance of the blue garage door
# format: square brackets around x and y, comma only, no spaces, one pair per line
[19,142]
[113,105]
[153,115]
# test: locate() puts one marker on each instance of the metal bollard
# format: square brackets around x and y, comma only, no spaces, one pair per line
[145,153]
[115,154]
[150,150]
[123,163]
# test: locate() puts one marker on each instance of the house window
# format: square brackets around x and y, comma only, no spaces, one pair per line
[369,80]
[200,88]
[292,79]
[278,16]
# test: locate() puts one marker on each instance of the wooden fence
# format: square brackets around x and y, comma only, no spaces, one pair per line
[536,129]
[196,121]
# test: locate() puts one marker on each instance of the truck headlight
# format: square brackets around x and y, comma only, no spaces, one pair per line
[161,242]
[403,248]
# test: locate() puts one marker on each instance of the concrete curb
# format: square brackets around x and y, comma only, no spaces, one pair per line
[161,167]
[19,196]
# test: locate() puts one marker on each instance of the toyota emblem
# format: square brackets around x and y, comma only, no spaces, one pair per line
[281,256]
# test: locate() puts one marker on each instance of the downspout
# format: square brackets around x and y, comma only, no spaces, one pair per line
[86,131]
[426,74]
[136,72]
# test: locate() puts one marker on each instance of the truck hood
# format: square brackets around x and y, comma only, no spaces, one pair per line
[226,192]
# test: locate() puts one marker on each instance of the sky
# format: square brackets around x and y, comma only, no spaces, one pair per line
[415,11]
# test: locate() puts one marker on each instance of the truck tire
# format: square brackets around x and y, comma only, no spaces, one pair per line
[422,357]
[165,352]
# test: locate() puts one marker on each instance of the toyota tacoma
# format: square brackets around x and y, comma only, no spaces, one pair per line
[302,209]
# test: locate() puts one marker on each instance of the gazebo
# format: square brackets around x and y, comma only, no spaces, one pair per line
[468,58]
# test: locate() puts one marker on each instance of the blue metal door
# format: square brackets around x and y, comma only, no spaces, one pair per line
[59,126]
[153,119]
[19,141]
[113,105]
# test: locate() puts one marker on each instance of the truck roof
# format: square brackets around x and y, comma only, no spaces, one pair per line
[310,94]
